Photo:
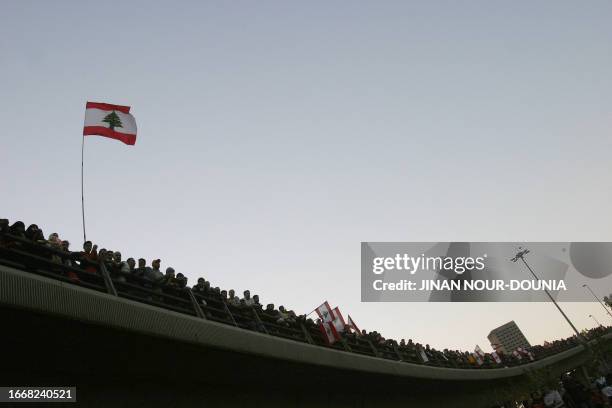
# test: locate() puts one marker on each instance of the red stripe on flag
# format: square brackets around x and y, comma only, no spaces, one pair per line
[324,333]
[334,331]
[127,138]
[334,334]
[107,107]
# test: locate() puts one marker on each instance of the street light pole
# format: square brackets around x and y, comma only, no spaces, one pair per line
[595,296]
[596,321]
[521,255]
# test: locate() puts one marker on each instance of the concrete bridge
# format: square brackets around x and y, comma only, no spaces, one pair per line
[120,352]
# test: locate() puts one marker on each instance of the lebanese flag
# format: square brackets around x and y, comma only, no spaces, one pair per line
[351,323]
[325,312]
[525,353]
[330,334]
[478,358]
[114,121]
[496,357]
[423,354]
[338,322]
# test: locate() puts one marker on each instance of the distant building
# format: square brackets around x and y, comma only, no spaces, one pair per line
[507,338]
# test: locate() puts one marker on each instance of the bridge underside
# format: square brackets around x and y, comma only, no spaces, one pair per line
[124,368]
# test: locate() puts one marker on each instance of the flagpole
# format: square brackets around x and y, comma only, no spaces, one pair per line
[311,313]
[82,195]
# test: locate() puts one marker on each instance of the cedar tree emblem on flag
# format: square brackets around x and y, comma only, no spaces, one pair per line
[113,120]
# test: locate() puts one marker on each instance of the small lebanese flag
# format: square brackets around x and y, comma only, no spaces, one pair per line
[351,323]
[496,357]
[526,353]
[330,334]
[325,312]
[114,121]
[423,355]
[338,322]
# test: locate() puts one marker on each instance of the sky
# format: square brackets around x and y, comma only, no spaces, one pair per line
[274,137]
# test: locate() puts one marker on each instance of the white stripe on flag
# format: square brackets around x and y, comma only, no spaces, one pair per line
[95,117]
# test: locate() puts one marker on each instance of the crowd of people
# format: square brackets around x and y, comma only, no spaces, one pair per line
[134,274]
[150,277]
[569,392]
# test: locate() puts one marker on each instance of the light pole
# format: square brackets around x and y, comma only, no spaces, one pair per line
[521,255]
[596,321]
[595,296]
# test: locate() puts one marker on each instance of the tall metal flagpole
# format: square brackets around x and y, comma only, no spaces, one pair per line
[82,195]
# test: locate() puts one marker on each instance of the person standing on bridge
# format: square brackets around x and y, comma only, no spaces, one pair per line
[154,274]
[142,270]
[89,255]
[247,298]
[200,287]
[131,265]
[170,280]
[233,299]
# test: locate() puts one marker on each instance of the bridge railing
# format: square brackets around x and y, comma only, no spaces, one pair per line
[141,290]
[71,267]
[273,327]
[50,262]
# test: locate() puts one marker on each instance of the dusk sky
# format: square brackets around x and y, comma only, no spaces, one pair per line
[274,137]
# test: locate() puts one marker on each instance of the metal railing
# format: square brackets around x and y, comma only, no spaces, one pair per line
[44,260]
